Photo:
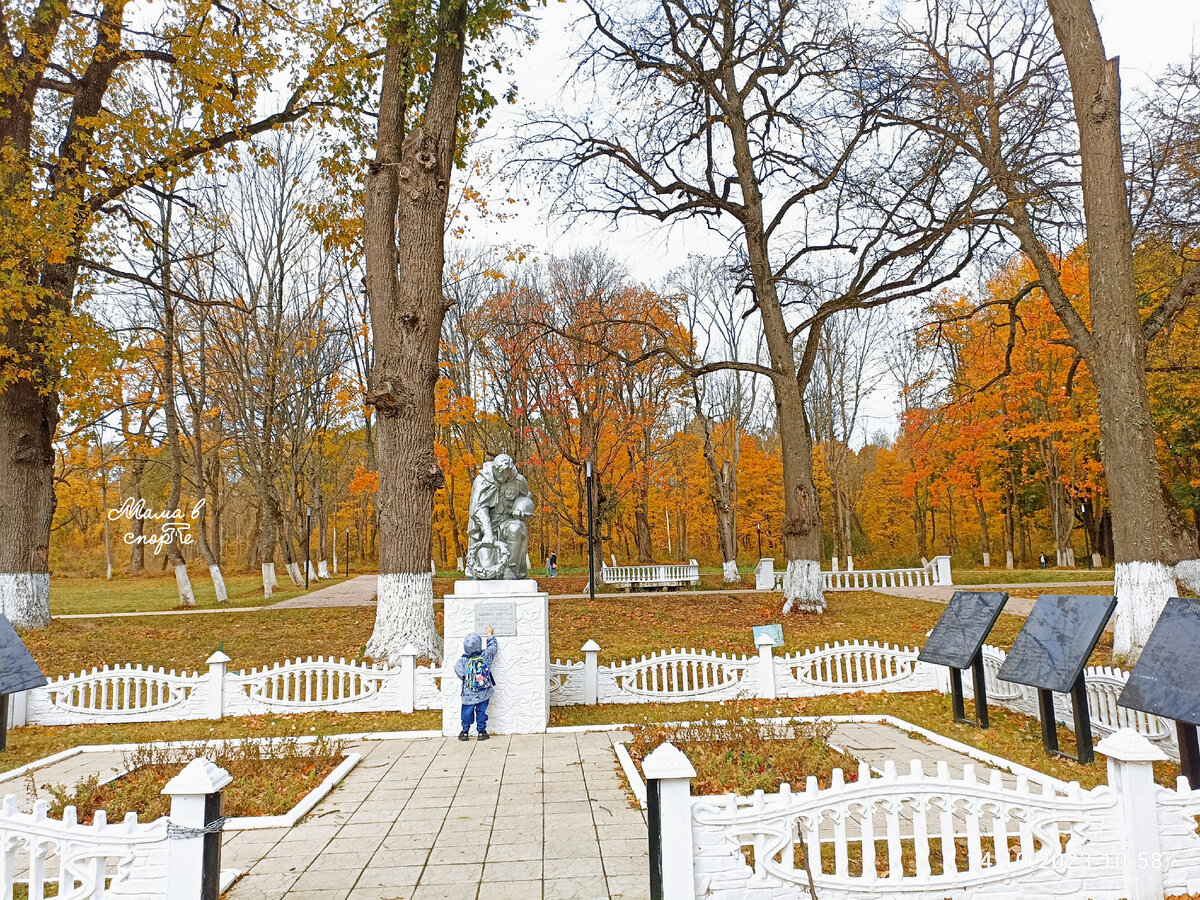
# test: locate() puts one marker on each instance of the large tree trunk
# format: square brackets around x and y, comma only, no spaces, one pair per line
[137,549]
[720,493]
[1145,539]
[409,182]
[984,539]
[28,419]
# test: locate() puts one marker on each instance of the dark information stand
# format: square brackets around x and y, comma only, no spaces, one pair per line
[18,672]
[1049,654]
[957,642]
[1166,679]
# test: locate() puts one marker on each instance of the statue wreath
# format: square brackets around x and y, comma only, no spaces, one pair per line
[483,571]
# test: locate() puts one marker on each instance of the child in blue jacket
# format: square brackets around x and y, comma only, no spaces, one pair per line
[474,667]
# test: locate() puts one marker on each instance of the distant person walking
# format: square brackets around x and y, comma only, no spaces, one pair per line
[474,667]
[1042,559]
[552,565]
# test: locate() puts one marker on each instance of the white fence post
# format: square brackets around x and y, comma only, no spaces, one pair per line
[766,667]
[217,665]
[591,673]
[764,574]
[18,712]
[669,807]
[408,678]
[193,852]
[941,570]
[1131,761]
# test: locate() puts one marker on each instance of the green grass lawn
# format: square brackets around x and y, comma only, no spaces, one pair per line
[1022,576]
[157,593]
[624,627]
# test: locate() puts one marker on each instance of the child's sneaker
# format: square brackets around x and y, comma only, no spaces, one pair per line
[483,736]
[462,736]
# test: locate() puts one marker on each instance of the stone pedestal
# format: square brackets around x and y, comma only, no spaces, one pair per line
[521,703]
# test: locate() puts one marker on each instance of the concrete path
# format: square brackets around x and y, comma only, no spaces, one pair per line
[358,591]
[515,818]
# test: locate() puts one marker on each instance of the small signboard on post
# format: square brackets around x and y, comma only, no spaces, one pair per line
[18,672]
[1163,681]
[957,642]
[1049,654]
[774,631]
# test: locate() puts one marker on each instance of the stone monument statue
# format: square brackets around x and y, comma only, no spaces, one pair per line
[497,533]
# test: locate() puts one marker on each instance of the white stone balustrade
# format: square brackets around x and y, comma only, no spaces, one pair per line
[651,575]
[935,572]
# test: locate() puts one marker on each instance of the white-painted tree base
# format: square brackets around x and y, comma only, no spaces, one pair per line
[218,581]
[1142,590]
[987,560]
[1008,559]
[1187,574]
[849,563]
[294,573]
[184,583]
[729,571]
[322,569]
[404,615]
[268,570]
[25,599]
[802,587]
[312,573]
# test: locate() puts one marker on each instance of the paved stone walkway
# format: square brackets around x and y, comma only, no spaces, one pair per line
[1020,606]
[359,591]
[526,816]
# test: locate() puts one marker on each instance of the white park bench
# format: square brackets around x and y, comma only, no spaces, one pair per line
[935,572]
[654,575]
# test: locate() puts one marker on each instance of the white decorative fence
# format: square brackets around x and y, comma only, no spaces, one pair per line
[928,836]
[159,860]
[137,694]
[653,575]
[935,572]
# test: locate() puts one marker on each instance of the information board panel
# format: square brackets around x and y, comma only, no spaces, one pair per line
[18,670]
[962,628]
[1164,680]
[1056,640]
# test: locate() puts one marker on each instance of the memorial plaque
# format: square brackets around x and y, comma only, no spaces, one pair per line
[1164,680]
[1056,640]
[962,628]
[502,617]
[18,671]
[775,631]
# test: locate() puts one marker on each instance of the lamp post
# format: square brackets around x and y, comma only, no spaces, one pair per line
[307,542]
[758,528]
[591,535]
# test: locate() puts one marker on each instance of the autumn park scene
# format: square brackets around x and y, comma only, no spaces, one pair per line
[599,449]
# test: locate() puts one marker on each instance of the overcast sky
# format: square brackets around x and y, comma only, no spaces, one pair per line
[1147,34]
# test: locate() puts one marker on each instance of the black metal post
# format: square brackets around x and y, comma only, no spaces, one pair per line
[1189,752]
[589,482]
[654,827]
[956,696]
[307,541]
[981,707]
[1049,723]
[3,722]
[758,528]
[1083,722]
[347,553]
[210,873]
